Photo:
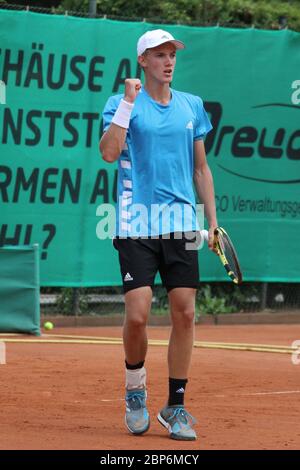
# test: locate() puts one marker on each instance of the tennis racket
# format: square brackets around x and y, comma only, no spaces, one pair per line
[226,253]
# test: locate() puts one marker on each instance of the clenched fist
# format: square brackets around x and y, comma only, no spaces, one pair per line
[132,89]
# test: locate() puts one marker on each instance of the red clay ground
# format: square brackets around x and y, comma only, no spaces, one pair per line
[71,396]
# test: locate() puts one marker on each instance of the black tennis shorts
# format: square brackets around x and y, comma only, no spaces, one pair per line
[141,258]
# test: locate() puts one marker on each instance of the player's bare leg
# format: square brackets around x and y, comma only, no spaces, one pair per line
[182,309]
[137,309]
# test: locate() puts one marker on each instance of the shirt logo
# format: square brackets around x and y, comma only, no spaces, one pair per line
[128,277]
[189,125]
[180,390]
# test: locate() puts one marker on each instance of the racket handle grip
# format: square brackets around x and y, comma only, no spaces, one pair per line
[204,234]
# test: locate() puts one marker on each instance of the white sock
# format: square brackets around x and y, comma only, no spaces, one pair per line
[136,379]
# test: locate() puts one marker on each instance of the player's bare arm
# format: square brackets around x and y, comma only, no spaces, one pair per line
[204,185]
[112,141]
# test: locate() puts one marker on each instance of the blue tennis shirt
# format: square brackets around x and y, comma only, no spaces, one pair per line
[155,168]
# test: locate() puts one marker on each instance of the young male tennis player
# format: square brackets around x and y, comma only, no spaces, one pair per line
[156,133]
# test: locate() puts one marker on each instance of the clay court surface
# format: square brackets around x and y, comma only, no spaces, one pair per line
[63,396]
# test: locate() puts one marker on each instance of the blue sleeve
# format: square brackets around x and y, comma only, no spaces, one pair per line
[109,110]
[203,124]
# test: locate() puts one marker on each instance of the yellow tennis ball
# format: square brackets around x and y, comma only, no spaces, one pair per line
[48,325]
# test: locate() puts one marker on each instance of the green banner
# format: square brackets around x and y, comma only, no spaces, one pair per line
[57,73]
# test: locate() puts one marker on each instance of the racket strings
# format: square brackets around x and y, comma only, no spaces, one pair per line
[231,265]
[230,257]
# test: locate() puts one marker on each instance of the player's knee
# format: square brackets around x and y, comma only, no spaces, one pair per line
[184,318]
[188,317]
[137,321]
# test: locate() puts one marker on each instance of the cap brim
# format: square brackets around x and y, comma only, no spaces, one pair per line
[177,44]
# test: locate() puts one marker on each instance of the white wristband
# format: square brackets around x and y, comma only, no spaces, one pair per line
[123,113]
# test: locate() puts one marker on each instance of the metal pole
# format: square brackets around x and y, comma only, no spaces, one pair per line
[264,293]
[92,8]
[75,301]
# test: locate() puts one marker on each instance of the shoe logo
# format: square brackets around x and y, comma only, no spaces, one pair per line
[189,125]
[128,277]
[180,390]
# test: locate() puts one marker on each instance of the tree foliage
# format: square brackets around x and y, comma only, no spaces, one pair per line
[267,14]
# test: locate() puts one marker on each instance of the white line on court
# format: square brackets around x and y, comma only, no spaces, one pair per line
[2,353]
[283,392]
[116,399]
[254,394]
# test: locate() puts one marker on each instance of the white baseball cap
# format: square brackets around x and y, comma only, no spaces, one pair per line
[155,38]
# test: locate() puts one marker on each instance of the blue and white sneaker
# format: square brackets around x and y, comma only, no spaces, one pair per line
[137,418]
[178,422]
